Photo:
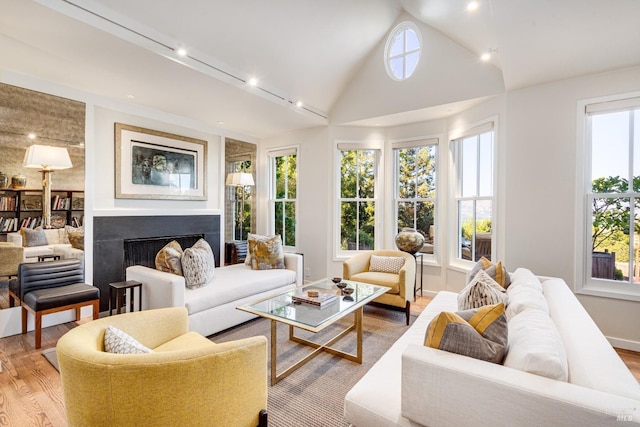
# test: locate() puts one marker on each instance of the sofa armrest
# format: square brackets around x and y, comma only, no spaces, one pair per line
[159,289]
[295,262]
[15,238]
[437,384]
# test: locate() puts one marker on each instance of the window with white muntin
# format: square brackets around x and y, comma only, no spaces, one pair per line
[402,51]
[283,195]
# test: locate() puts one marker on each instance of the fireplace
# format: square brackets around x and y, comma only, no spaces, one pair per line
[123,241]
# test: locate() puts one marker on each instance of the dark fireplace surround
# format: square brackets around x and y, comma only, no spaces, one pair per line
[120,241]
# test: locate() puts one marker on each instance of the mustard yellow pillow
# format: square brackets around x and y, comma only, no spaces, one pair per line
[169,258]
[479,333]
[496,271]
[266,253]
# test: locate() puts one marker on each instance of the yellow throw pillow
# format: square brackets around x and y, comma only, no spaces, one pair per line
[169,258]
[266,253]
[496,271]
[479,333]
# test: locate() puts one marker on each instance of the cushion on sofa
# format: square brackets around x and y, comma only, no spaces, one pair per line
[386,264]
[198,264]
[76,238]
[497,271]
[33,237]
[482,290]
[266,253]
[525,292]
[535,345]
[479,333]
[169,258]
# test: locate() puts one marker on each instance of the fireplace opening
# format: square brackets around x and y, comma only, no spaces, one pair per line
[143,251]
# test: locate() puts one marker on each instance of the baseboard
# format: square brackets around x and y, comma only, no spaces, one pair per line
[624,344]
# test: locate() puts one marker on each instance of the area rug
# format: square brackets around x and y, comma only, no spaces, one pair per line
[50,355]
[314,394]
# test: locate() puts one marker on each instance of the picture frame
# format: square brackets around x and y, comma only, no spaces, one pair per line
[157,165]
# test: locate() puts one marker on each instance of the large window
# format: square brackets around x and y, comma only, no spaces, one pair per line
[357,197]
[415,188]
[474,156]
[613,196]
[283,172]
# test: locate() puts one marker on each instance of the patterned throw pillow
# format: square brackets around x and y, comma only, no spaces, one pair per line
[496,271]
[252,238]
[482,290]
[386,264]
[198,264]
[480,333]
[35,237]
[116,341]
[266,253]
[76,238]
[169,258]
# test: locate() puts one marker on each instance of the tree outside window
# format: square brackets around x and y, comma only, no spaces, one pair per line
[357,199]
[416,191]
[614,203]
[284,173]
[474,195]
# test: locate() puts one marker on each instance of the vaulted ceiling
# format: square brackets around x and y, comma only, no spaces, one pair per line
[301,50]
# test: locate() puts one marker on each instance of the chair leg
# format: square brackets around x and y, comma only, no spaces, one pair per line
[262,418]
[96,309]
[78,313]
[25,316]
[408,311]
[38,329]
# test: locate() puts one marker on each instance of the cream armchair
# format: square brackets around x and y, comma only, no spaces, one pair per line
[11,257]
[401,284]
[187,381]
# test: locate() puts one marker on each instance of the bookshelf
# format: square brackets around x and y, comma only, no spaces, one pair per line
[23,208]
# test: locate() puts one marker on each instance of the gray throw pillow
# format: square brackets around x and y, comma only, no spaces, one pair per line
[198,264]
[35,237]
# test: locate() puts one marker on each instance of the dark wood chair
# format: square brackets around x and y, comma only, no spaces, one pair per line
[53,286]
[235,252]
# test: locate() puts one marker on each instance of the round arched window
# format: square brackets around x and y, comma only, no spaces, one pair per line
[402,52]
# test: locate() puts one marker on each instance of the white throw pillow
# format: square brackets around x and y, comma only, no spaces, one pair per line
[521,297]
[117,341]
[482,290]
[386,264]
[535,346]
[198,264]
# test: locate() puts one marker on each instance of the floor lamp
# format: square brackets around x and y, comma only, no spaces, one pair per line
[240,179]
[48,159]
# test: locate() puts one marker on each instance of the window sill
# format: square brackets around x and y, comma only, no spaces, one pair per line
[614,291]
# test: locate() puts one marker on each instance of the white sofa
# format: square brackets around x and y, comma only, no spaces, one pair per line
[414,385]
[212,308]
[55,246]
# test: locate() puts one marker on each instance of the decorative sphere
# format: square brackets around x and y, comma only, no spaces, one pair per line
[409,240]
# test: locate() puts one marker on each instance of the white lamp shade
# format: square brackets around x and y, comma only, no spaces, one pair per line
[238,179]
[47,157]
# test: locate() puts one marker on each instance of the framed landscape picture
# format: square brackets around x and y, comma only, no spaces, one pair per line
[157,165]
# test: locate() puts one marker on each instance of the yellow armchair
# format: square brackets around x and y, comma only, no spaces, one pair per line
[187,381]
[357,268]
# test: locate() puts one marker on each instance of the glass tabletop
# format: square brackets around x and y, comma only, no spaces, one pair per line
[306,315]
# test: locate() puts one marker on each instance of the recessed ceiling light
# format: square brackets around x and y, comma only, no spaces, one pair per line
[487,55]
[472,6]
[131,96]
[299,104]
[220,122]
[181,51]
[253,81]
[31,135]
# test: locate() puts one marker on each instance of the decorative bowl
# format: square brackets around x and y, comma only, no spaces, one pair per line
[313,294]
[347,291]
[336,280]
[341,285]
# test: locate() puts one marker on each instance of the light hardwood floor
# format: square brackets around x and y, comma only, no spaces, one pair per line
[30,388]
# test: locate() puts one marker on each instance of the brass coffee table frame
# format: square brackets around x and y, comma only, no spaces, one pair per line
[319,348]
[357,309]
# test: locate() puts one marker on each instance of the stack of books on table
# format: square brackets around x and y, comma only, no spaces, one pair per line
[323,299]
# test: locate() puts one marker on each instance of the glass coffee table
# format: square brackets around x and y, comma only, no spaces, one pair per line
[305,315]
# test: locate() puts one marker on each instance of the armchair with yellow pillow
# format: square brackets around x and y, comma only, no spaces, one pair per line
[175,377]
[391,268]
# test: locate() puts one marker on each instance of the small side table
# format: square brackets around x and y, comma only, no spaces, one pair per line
[121,289]
[415,284]
[46,257]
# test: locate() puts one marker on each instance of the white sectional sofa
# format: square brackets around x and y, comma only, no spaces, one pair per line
[212,308]
[414,385]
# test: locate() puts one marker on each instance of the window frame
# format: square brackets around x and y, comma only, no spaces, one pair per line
[584,283]
[402,27]
[477,129]
[342,145]
[418,142]
[271,155]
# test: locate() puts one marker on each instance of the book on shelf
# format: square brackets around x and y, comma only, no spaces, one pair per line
[323,299]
